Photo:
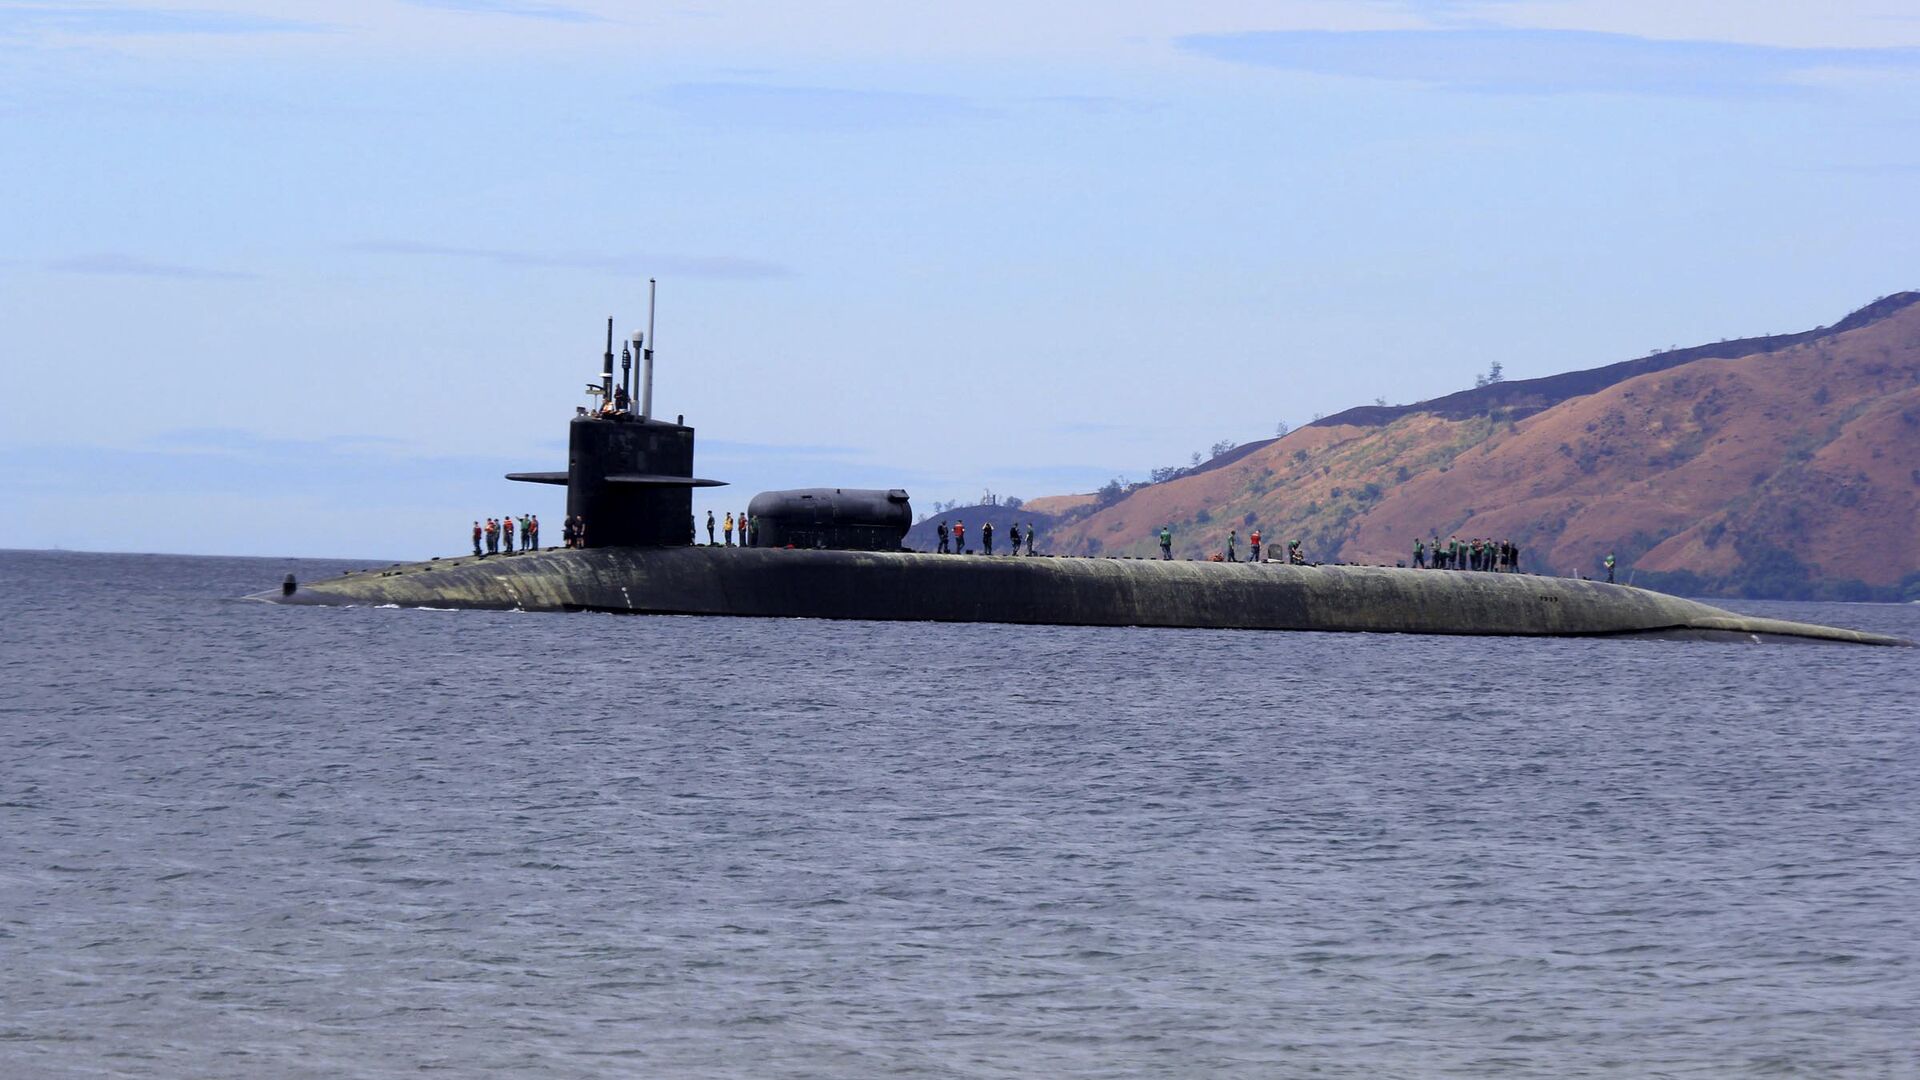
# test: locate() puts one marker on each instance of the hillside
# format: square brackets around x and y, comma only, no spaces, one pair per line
[1781,466]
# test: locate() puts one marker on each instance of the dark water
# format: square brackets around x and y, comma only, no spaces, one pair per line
[238,840]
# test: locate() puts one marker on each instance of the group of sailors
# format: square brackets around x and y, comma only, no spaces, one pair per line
[1495,556]
[497,535]
[1294,555]
[749,529]
[954,541]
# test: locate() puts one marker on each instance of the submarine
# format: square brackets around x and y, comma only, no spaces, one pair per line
[838,553]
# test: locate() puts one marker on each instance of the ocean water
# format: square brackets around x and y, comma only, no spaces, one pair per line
[240,840]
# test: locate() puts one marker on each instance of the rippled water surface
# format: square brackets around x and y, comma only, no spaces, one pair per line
[239,840]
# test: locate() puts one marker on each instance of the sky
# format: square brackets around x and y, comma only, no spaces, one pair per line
[307,279]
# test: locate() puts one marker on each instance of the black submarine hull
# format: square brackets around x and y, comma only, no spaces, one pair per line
[909,586]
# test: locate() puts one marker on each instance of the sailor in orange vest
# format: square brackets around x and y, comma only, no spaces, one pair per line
[506,530]
[533,531]
[959,538]
[1255,541]
[493,536]
[477,534]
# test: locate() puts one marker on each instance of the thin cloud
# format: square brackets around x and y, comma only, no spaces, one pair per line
[346,471]
[117,264]
[520,10]
[730,447]
[721,267]
[1098,105]
[729,104]
[1882,168]
[126,21]
[1545,61]
[222,440]
[718,267]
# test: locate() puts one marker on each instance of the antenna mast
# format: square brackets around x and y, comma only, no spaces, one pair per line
[646,354]
[606,368]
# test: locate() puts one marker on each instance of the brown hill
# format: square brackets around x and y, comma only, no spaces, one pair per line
[1789,468]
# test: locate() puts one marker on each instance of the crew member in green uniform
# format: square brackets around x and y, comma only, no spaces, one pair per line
[1609,563]
[1166,542]
[1419,553]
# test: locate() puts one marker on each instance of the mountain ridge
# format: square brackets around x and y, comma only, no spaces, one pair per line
[1784,465]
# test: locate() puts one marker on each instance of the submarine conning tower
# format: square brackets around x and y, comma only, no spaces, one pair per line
[629,475]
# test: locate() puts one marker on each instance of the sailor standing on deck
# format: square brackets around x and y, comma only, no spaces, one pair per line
[1029,537]
[1233,541]
[986,538]
[709,528]
[941,532]
[1254,543]
[506,531]
[1013,535]
[959,538]
[477,533]
[533,532]
[1609,563]
[1166,542]
[727,528]
[1419,553]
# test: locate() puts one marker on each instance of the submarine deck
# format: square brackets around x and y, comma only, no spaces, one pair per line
[1055,590]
